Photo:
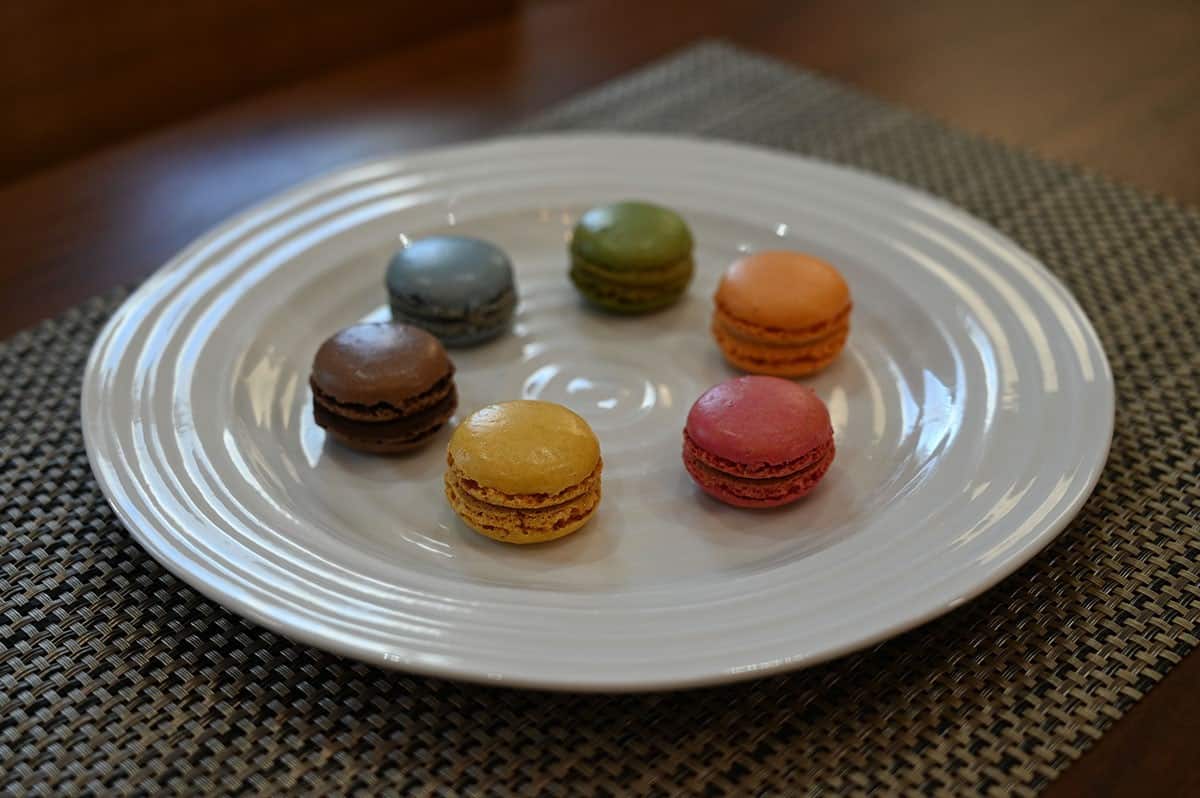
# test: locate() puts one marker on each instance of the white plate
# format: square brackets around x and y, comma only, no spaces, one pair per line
[973,411]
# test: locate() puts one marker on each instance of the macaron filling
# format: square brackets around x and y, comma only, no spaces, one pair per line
[488,311]
[385,411]
[624,290]
[676,274]
[502,499]
[528,517]
[410,428]
[753,470]
[748,330]
[471,325]
[763,489]
[804,353]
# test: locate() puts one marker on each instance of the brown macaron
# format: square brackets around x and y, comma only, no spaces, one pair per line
[382,387]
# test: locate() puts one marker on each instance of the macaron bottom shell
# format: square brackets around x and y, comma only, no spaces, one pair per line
[630,293]
[729,483]
[767,352]
[457,330]
[521,519]
[398,435]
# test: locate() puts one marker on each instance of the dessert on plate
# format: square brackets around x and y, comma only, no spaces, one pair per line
[524,471]
[631,257]
[383,387]
[781,313]
[460,289]
[758,441]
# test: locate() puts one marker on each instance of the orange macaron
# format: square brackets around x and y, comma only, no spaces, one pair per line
[786,314]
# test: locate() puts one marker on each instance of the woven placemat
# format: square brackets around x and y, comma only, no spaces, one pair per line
[115,676]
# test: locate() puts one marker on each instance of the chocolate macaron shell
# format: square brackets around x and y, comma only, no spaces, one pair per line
[386,411]
[402,434]
[382,387]
[382,364]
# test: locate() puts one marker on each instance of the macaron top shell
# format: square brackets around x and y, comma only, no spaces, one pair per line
[631,235]
[789,290]
[449,273]
[368,364]
[756,419]
[525,447]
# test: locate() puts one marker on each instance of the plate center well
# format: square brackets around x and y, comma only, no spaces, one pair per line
[632,378]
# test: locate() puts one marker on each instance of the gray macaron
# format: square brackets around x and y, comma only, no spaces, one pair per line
[460,289]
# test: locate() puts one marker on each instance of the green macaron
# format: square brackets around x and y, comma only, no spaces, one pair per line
[631,257]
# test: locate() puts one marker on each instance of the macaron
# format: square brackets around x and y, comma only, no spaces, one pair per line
[631,257]
[460,289]
[524,471]
[785,314]
[385,388]
[758,441]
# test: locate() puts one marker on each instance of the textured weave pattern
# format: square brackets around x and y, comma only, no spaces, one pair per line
[114,676]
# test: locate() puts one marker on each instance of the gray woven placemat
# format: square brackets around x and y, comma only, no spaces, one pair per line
[114,676]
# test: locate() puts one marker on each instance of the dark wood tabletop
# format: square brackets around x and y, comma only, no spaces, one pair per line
[1110,85]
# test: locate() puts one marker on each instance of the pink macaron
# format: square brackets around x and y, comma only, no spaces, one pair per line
[758,441]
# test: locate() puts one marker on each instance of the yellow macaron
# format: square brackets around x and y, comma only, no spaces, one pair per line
[524,471]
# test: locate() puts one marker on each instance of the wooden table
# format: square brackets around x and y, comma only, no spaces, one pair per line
[1106,84]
